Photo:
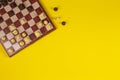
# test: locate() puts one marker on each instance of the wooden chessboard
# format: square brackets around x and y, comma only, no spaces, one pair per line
[22,22]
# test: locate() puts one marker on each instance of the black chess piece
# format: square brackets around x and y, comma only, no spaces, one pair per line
[1,3]
[4,2]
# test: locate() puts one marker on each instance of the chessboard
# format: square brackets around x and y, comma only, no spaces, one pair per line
[22,22]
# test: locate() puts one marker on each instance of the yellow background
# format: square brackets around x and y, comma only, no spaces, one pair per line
[87,48]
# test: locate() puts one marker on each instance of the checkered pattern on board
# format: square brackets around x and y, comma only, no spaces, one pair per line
[21,23]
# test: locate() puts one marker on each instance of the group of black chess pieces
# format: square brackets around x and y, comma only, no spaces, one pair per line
[3,2]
